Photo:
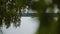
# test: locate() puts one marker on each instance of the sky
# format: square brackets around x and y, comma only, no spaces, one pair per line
[28,25]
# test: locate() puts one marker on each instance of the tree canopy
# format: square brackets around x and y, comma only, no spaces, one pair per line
[10,12]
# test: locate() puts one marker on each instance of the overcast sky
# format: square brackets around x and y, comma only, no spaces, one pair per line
[28,26]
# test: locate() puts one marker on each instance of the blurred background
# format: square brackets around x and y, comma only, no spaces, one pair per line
[29,16]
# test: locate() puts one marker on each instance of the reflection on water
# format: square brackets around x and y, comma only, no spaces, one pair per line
[28,26]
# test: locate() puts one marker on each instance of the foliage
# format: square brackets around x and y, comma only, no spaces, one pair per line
[10,12]
[47,23]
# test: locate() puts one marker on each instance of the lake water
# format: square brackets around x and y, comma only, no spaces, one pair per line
[28,25]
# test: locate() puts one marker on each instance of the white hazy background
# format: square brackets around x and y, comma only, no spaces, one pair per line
[28,26]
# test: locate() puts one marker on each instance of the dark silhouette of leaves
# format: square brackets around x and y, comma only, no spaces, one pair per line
[8,12]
